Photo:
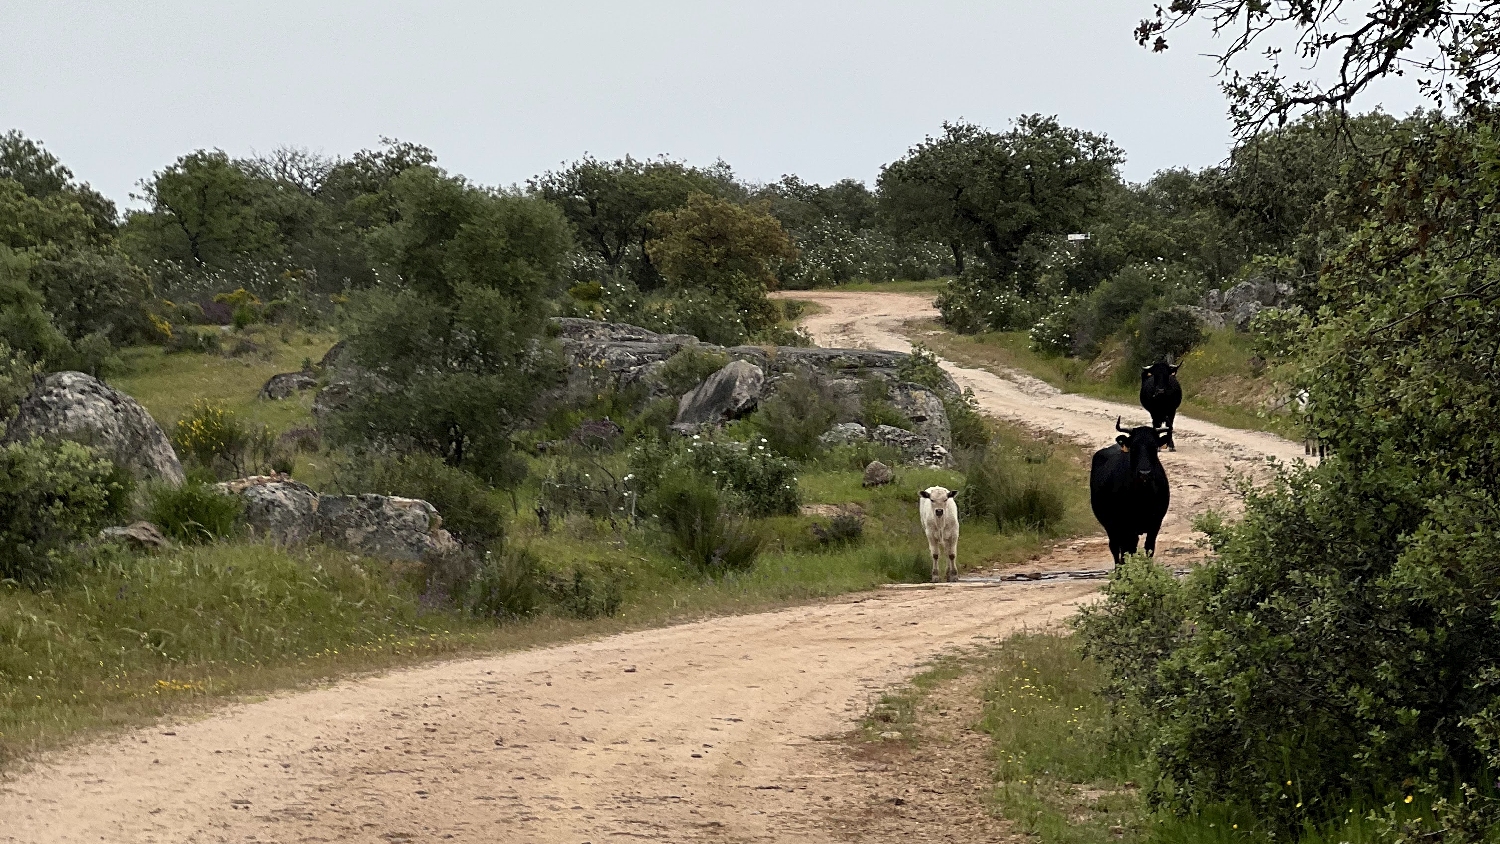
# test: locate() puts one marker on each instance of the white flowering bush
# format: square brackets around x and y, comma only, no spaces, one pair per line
[764,481]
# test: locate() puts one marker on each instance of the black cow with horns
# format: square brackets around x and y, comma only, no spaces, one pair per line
[1128,489]
[1161,395]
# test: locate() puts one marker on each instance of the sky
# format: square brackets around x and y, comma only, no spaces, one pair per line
[502,91]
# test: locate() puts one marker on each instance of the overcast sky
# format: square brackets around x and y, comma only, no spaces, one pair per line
[504,90]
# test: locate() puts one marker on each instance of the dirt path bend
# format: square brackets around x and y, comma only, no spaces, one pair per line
[1206,453]
[708,731]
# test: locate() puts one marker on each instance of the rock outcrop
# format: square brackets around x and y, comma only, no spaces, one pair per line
[382,526]
[924,408]
[277,508]
[141,536]
[78,407]
[287,384]
[730,393]
[1238,305]
[286,512]
[844,433]
[617,355]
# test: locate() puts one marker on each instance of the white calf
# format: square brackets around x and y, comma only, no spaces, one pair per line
[940,522]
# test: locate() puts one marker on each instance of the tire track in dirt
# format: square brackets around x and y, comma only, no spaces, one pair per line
[704,731]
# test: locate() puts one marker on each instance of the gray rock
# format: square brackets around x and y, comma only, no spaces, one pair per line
[1211,320]
[287,384]
[878,474]
[608,354]
[727,394]
[1239,304]
[277,508]
[332,398]
[334,356]
[142,536]
[908,441]
[78,407]
[383,526]
[844,433]
[925,408]
[1245,312]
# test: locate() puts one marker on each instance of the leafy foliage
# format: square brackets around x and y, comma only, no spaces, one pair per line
[800,411]
[194,512]
[50,497]
[696,519]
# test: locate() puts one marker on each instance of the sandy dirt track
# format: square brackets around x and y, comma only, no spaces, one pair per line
[708,731]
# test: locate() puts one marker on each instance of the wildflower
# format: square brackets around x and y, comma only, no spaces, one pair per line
[1408,799]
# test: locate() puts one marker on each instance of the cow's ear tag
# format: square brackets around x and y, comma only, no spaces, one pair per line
[1123,440]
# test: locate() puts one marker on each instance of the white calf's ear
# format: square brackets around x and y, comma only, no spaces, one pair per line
[924,494]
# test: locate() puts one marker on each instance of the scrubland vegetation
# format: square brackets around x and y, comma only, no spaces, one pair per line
[1329,674]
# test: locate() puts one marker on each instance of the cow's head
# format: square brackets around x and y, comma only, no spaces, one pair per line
[1141,444]
[939,496]
[1158,378]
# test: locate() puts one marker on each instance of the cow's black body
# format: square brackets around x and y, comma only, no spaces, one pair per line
[1128,490]
[1161,395]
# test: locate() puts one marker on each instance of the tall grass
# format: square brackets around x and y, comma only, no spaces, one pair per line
[132,635]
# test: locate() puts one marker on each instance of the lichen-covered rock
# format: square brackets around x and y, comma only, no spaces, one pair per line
[332,398]
[727,394]
[287,384]
[78,407]
[844,433]
[878,474]
[276,507]
[142,536]
[924,408]
[383,526]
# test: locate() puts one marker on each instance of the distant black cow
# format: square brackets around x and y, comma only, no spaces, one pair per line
[1161,395]
[1128,489]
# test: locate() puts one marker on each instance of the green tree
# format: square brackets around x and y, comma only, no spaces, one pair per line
[726,250]
[454,358]
[994,194]
[203,210]
[611,204]
[42,175]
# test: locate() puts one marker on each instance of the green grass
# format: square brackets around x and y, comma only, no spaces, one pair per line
[167,384]
[1219,384]
[1066,775]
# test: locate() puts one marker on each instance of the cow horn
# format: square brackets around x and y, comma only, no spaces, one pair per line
[1118,428]
[1145,369]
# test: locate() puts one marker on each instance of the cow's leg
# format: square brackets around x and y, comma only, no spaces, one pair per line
[1151,541]
[1114,549]
[1130,544]
[932,548]
[1171,426]
[953,561]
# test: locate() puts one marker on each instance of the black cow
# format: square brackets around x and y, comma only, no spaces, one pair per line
[1128,489]
[1161,395]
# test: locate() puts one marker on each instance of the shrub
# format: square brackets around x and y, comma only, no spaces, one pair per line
[693,515]
[585,593]
[581,483]
[842,530]
[50,497]
[687,369]
[968,426]
[765,482]
[975,301]
[470,510]
[216,439]
[1053,334]
[921,367]
[17,372]
[506,585]
[1018,495]
[194,512]
[1168,332]
[875,406]
[791,420]
[1135,628]
[193,340]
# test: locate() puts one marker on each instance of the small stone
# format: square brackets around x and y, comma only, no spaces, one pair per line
[142,536]
[890,735]
[878,474]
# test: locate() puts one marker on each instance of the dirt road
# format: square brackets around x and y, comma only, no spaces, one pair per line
[1206,453]
[702,731]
